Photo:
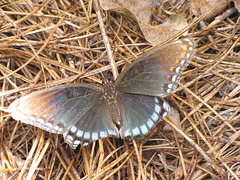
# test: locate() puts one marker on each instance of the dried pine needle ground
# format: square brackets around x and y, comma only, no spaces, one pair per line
[48,43]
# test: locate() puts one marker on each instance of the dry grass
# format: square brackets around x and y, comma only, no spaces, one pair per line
[58,42]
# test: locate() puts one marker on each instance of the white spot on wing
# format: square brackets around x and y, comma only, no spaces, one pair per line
[56,128]
[111,132]
[18,116]
[174,78]
[150,123]
[176,42]
[40,120]
[135,131]
[49,125]
[79,133]
[157,108]
[127,133]
[170,86]
[73,129]
[190,43]
[178,69]
[164,114]
[169,90]
[183,62]
[103,134]
[154,117]
[94,136]
[86,143]
[86,135]
[31,118]
[165,106]
[69,138]
[76,142]
[144,129]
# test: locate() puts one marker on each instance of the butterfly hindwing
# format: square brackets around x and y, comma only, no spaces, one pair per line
[95,124]
[140,114]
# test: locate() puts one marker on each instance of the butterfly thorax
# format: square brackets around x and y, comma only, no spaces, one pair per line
[110,95]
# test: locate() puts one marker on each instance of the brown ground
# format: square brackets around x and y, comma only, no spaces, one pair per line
[48,43]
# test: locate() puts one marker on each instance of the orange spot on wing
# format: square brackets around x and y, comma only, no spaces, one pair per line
[178,61]
[51,120]
[172,69]
[35,114]
[183,54]
[44,116]
[185,47]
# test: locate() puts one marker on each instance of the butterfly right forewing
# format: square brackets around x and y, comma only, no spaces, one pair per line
[157,72]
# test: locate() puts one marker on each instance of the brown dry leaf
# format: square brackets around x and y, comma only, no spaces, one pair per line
[179,173]
[175,117]
[141,11]
[199,7]
[156,34]
[138,10]
[237,4]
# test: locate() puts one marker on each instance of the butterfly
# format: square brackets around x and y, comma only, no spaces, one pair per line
[129,107]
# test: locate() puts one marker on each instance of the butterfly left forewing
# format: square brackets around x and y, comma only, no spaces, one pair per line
[55,109]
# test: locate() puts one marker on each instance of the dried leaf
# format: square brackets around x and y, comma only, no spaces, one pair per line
[237,4]
[175,117]
[139,9]
[141,12]
[156,34]
[199,7]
